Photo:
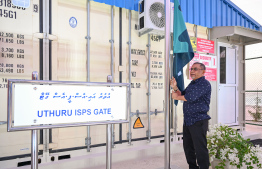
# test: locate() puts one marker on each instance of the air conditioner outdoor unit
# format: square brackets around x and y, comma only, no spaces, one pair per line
[151,17]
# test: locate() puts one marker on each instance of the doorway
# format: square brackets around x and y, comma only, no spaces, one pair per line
[227,85]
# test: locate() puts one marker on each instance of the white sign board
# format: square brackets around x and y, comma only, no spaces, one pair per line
[38,104]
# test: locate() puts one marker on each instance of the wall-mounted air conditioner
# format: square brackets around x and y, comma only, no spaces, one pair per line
[151,17]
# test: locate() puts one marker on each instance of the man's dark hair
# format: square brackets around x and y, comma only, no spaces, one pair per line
[201,65]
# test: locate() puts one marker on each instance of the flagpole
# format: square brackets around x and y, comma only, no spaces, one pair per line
[167,88]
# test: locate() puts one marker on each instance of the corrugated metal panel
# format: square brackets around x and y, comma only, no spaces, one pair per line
[212,13]
[207,13]
[128,4]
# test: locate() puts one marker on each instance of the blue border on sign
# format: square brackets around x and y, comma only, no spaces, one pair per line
[73,22]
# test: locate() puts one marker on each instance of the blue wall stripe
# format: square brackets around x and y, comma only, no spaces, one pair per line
[207,13]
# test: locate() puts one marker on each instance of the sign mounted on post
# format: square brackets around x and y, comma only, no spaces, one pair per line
[138,124]
[206,46]
[48,104]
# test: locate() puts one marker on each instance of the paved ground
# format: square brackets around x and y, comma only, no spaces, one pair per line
[178,160]
[254,128]
[258,129]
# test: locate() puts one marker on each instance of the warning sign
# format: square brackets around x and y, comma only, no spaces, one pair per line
[204,45]
[138,124]
[193,41]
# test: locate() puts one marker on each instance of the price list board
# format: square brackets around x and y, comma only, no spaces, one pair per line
[19,57]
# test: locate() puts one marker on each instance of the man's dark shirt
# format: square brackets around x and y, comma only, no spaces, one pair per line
[198,95]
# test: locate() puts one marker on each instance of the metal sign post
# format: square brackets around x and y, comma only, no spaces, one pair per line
[34,149]
[65,104]
[109,146]
[34,138]
[109,138]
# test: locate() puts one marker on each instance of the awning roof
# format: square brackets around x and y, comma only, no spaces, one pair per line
[249,36]
[206,13]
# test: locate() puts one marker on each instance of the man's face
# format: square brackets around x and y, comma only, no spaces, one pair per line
[196,71]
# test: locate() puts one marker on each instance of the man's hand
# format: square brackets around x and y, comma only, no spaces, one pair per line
[173,83]
[175,95]
[178,96]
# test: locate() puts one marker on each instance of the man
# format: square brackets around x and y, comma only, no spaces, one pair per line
[196,99]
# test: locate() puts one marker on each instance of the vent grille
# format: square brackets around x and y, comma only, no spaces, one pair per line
[157,14]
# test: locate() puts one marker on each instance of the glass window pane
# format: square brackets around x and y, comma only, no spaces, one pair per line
[222,64]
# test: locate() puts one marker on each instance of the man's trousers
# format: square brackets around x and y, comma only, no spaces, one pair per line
[195,145]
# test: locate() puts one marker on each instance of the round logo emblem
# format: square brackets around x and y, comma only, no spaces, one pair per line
[73,22]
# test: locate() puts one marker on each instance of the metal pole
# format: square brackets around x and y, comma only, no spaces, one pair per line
[46,66]
[112,42]
[167,87]
[88,40]
[244,88]
[148,93]
[112,62]
[46,40]
[88,139]
[172,112]
[109,137]
[196,31]
[129,134]
[208,31]
[34,149]
[109,146]
[34,138]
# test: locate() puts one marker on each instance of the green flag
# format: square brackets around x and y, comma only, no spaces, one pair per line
[182,48]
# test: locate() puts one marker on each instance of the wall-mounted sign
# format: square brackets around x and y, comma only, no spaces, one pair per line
[211,65]
[206,46]
[138,124]
[193,43]
[41,104]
